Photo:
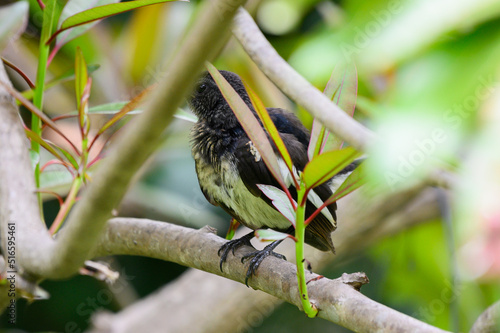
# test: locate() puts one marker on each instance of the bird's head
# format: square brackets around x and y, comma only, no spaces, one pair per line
[208,103]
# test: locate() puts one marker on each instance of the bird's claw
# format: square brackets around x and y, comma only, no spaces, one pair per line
[256,259]
[232,245]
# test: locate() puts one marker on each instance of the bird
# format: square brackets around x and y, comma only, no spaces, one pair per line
[229,169]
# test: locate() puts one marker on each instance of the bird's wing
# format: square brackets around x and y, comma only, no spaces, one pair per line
[253,171]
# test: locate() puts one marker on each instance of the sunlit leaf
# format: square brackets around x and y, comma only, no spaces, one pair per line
[354,181]
[114,108]
[73,7]
[101,12]
[280,201]
[51,15]
[184,115]
[52,179]
[13,19]
[271,129]
[266,235]
[142,41]
[325,166]
[249,123]
[128,107]
[82,87]
[342,89]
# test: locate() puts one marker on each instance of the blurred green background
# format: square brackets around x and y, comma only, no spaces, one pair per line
[424,67]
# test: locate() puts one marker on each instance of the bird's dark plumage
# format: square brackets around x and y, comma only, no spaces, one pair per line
[229,168]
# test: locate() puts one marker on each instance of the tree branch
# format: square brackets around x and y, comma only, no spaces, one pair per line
[295,86]
[338,302]
[488,321]
[18,202]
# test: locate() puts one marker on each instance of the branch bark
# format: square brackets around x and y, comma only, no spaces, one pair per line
[488,321]
[295,86]
[338,302]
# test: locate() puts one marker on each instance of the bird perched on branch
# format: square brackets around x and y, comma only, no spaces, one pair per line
[228,170]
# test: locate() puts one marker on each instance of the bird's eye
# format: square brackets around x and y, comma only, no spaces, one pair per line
[201,88]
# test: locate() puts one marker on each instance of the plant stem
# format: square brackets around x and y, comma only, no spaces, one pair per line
[300,228]
[36,122]
[68,203]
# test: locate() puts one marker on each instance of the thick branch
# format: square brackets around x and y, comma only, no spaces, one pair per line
[18,202]
[63,258]
[338,302]
[488,321]
[295,86]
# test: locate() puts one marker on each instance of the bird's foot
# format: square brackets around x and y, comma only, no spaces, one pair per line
[232,245]
[256,258]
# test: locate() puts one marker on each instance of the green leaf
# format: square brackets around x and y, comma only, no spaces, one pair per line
[128,107]
[266,235]
[249,123]
[342,89]
[280,201]
[101,12]
[52,179]
[51,15]
[81,88]
[325,166]
[271,129]
[73,7]
[13,20]
[354,181]
[54,150]
[184,115]
[34,158]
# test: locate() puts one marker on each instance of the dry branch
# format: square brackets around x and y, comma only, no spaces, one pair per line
[339,302]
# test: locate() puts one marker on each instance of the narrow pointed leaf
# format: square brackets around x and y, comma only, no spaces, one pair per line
[128,107]
[267,235]
[81,87]
[342,88]
[355,180]
[101,12]
[55,179]
[51,15]
[345,91]
[249,122]
[73,7]
[13,20]
[271,129]
[35,137]
[184,115]
[325,166]
[280,201]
